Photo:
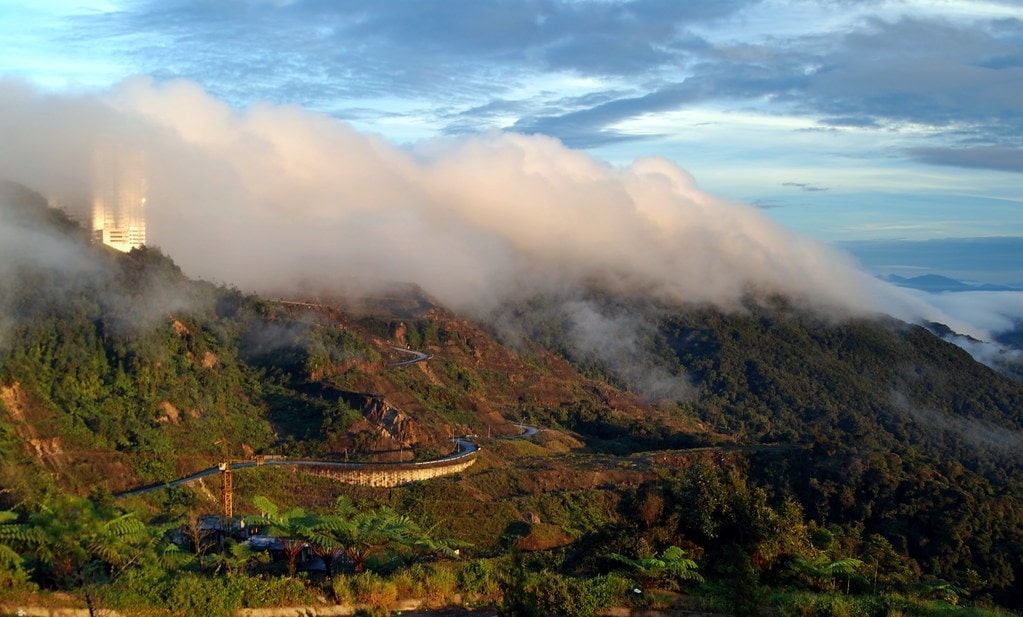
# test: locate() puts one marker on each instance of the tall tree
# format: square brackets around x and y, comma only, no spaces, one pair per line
[79,544]
[671,567]
[416,543]
[367,534]
[294,528]
[12,536]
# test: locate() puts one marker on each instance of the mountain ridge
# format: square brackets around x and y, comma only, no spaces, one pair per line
[124,372]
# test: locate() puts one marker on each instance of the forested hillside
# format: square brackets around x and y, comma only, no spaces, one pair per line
[780,448]
[118,370]
[883,427]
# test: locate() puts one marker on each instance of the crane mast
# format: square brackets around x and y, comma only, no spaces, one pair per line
[227,488]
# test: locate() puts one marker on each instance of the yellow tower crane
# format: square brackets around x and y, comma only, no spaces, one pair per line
[227,488]
[227,481]
[227,476]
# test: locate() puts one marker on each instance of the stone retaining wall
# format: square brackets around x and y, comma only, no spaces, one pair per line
[384,475]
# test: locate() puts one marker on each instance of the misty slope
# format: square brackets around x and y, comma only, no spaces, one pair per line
[890,429]
[117,370]
[774,372]
[120,329]
[792,377]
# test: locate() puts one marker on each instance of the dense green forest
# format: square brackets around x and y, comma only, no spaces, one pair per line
[885,430]
[766,457]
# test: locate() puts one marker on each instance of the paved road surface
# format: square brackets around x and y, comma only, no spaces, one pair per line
[418,356]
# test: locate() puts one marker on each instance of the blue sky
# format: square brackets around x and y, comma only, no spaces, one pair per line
[866,124]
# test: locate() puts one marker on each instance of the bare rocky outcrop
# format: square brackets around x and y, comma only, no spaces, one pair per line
[31,422]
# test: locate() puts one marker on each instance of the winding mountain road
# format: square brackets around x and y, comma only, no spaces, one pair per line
[465,448]
[418,356]
[527,431]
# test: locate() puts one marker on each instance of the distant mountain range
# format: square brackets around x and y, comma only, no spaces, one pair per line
[938,283]
[994,259]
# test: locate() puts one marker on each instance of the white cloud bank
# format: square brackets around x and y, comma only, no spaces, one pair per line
[274,199]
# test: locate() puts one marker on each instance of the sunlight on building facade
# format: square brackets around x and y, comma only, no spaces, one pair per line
[119,197]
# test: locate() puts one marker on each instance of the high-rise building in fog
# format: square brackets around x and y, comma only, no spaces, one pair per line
[119,197]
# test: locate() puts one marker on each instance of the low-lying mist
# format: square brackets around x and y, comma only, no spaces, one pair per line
[271,198]
[282,201]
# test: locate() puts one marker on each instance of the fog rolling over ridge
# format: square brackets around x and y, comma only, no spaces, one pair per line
[277,199]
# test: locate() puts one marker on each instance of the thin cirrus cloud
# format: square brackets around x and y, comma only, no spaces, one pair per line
[596,64]
[983,157]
